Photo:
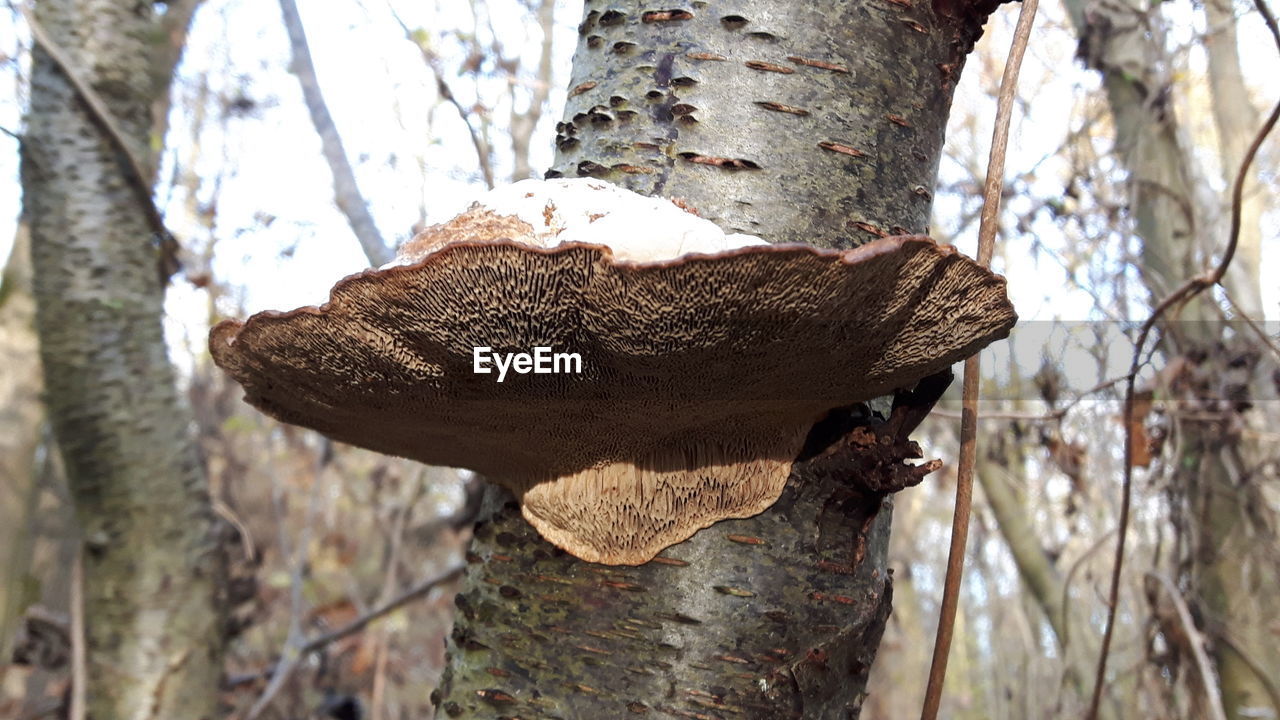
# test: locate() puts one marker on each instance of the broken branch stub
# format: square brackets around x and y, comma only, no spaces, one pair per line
[699,374]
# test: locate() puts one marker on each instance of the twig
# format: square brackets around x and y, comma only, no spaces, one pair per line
[135,172]
[381,611]
[377,694]
[1262,334]
[993,187]
[1038,417]
[446,92]
[346,191]
[292,654]
[1184,293]
[1212,697]
[319,643]
[225,512]
[79,654]
[395,542]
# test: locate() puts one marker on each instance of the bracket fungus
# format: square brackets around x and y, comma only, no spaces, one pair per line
[705,358]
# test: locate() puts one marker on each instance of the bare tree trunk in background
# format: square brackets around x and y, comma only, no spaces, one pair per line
[1123,40]
[524,123]
[1041,577]
[153,569]
[38,536]
[798,122]
[1231,534]
[20,422]
[1237,120]
[346,191]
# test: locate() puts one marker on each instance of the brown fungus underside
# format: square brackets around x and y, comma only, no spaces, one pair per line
[700,376]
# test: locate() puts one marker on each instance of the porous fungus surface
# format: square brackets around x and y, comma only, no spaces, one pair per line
[699,375]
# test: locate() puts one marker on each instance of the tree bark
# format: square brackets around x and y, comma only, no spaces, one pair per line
[1232,587]
[797,122]
[152,565]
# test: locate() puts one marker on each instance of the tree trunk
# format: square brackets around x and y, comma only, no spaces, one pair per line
[522,124]
[152,566]
[796,122]
[1228,567]
[20,423]
[1237,121]
[1041,577]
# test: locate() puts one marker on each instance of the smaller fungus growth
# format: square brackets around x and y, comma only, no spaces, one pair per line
[705,358]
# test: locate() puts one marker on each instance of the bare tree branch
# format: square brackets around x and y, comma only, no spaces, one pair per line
[1213,699]
[319,643]
[385,609]
[346,192]
[524,123]
[79,654]
[292,652]
[482,147]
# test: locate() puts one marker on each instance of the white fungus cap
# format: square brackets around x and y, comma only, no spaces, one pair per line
[635,227]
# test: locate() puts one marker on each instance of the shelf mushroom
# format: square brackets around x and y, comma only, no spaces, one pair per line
[695,362]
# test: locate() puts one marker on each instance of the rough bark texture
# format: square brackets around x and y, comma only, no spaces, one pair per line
[766,617]
[151,563]
[797,122]
[1218,491]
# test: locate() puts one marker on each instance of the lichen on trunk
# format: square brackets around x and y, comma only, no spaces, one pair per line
[796,122]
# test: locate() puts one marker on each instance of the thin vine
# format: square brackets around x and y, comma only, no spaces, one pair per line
[987,228]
